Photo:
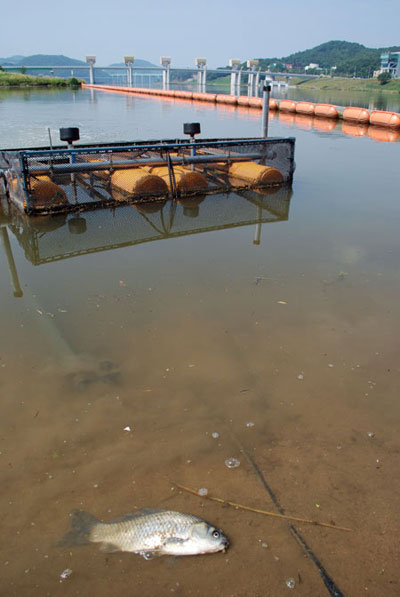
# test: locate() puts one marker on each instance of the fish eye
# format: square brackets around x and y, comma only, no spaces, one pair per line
[216,534]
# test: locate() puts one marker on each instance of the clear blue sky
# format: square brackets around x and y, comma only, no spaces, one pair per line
[183,29]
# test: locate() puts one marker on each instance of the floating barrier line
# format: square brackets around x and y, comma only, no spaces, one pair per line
[381,118]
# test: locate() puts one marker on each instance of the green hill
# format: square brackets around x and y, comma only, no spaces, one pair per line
[348,57]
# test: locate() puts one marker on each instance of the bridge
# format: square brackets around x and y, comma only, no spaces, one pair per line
[128,74]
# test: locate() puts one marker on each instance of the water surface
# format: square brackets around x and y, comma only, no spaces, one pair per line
[181,328]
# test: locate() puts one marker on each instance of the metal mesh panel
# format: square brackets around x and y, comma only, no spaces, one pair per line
[83,177]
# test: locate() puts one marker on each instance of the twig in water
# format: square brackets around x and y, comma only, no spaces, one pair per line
[258,511]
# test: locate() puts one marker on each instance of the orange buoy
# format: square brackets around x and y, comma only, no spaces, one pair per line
[183,94]
[186,180]
[137,181]
[382,118]
[255,174]
[287,106]
[273,104]
[208,97]
[354,129]
[356,114]
[226,99]
[326,111]
[45,193]
[305,108]
[386,135]
[243,100]
[255,102]
[324,124]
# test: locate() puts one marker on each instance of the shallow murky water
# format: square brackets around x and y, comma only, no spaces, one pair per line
[190,328]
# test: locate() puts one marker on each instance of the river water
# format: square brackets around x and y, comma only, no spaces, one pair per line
[178,325]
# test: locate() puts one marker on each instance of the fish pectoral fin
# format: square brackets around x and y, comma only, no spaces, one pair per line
[109,548]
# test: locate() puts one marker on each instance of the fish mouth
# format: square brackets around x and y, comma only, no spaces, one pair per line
[225,546]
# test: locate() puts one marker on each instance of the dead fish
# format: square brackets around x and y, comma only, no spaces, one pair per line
[147,532]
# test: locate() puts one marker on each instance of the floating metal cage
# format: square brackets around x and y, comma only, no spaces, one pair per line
[82,177]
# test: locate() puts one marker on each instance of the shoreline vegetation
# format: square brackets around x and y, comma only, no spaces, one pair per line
[21,80]
[327,83]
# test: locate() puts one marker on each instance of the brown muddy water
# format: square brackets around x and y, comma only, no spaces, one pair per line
[177,325]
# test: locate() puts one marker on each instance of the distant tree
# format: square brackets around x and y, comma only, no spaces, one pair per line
[23,70]
[384,78]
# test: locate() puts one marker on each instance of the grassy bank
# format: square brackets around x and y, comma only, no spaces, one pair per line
[17,80]
[347,84]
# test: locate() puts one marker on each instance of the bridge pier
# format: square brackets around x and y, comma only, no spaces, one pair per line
[235,76]
[165,62]
[201,64]
[252,65]
[129,60]
[91,60]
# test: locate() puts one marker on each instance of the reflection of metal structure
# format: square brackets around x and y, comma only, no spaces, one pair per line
[46,239]
[83,177]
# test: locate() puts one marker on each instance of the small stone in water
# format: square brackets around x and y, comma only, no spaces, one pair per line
[250,424]
[301,376]
[290,583]
[232,462]
[203,491]
[215,435]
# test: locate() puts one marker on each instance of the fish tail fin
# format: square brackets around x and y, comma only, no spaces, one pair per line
[81,524]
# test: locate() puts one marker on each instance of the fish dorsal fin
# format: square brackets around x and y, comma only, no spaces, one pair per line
[138,514]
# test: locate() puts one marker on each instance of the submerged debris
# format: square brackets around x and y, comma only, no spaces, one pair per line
[290,583]
[232,462]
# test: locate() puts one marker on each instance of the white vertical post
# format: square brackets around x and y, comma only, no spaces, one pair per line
[257,82]
[234,63]
[201,64]
[165,62]
[129,60]
[265,110]
[252,65]
[91,61]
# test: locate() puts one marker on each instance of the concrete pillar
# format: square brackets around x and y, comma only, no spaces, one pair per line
[257,82]
[91,61]
[234,63]
[252,65]
[201,64]
[129,60]
[165,62]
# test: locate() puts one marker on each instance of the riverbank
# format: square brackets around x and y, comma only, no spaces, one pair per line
[326,84]
[340,84]
[20,80]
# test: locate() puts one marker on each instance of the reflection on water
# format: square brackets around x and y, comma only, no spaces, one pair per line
[213,330]
[46,239]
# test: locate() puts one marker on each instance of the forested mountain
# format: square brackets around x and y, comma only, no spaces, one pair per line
[55,60]
[349,58]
